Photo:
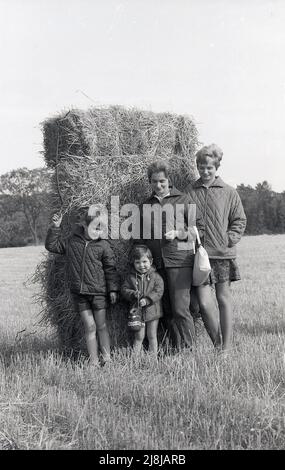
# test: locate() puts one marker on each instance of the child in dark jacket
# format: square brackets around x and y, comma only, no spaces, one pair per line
[144,287]
[92,274]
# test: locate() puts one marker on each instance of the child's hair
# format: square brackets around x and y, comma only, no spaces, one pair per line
[138,252]
[157,167]
[212,151]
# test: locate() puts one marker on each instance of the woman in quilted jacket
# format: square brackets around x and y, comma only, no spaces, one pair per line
[143,288]
[92,275]
[222,226]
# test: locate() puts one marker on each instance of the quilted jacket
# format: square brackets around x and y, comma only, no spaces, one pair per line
[150,285]
[167,253]
[223,219]
[90,263]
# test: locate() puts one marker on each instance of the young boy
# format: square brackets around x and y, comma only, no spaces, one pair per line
[92,274]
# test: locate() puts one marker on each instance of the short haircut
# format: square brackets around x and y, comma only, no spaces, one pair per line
[212,151]
[156,167]
[139,251]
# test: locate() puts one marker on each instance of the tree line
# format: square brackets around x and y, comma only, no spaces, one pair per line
[24,214]
[264,208]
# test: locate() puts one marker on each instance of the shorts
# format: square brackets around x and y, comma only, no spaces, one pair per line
[89,302]
[223,270]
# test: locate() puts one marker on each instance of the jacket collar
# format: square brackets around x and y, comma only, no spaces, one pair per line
[219,183]
[172,192]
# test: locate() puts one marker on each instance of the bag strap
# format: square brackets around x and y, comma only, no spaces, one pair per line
[197,236]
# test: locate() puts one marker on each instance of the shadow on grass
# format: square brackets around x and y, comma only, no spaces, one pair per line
[37,346]
[259,329]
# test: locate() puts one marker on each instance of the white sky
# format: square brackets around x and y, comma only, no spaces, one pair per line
[220,61]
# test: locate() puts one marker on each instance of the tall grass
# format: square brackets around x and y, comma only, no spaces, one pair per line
[186,401]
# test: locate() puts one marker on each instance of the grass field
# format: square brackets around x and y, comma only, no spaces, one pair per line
[186,401]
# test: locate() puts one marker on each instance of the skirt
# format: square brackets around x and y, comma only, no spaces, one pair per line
[223,270]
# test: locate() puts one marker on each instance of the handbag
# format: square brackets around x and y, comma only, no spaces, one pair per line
[202,267]
[135,317]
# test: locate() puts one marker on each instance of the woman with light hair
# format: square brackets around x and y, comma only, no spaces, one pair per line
[221,228]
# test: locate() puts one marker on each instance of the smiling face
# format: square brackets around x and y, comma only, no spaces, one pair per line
[207,171]
[160,184]
[142,264]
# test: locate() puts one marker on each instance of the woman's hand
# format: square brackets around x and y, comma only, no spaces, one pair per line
[171,235]
[57,219]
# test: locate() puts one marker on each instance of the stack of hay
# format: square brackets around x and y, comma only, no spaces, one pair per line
[97,154]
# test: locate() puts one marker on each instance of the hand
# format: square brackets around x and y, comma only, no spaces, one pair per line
[191,234]
[57,219]
[143,302]
[171,235]
[182,234]
[113,297]
[137,294]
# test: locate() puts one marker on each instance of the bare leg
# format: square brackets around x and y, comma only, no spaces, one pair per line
[224,299]
[103,334]
[138,340]
[151,331]
[208,308]
[90,334]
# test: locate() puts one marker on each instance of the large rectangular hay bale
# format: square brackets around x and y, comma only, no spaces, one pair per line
[95,154]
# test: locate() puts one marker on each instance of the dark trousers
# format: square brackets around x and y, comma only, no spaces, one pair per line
[177,318]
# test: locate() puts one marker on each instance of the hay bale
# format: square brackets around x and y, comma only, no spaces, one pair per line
[96,154]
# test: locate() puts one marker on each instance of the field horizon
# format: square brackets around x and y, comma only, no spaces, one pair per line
[195,400]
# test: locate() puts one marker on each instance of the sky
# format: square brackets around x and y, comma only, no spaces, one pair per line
[219,61]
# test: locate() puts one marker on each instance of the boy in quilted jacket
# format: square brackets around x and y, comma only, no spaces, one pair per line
[143,285]
[222,227]
[92,275]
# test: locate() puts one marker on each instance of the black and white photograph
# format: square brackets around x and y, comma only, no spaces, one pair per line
[142,228]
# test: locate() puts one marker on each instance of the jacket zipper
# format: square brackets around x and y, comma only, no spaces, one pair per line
[143,285]
[83,263]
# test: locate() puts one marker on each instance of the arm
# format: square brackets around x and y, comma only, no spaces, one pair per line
[237,220]
[192,217]
[109,266]
[158,289]
[54,242]
[186,213]
[128,292]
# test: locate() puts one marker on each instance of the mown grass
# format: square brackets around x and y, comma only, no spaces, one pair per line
[187,401]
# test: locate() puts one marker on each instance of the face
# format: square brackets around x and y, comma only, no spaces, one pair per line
[143,264]
[94,228]
[207,170]
[159,183]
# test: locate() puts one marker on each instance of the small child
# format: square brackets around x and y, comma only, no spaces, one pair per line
[144,286]
[92,274]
